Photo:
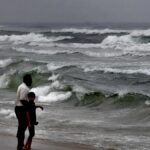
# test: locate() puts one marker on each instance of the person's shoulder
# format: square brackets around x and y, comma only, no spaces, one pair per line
[23,86]
[20,86]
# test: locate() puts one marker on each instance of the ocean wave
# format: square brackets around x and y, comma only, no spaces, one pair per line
[33,38]
[50,93]
[54,77]
[138,33]
[117,42]
[126,99]
[12,32]
[96,67]
[5,62]
[131,99]
[55,96]
[126,43]
[80,96]
[115,70]
[54,66]
[105,53]
[8,114]
[132,40]
[4,81]
[67,45]
[88,31]
[16,78]
[91,53]
[47,52]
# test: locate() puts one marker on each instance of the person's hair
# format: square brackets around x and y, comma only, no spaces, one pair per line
[27,79]
[31,94]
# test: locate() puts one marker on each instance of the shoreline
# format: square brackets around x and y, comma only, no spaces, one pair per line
[39,144]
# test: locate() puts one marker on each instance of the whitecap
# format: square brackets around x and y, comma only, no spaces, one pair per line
[7,113]
[55,96]
[31,38]
[54,77]
[5,62]
[88,31]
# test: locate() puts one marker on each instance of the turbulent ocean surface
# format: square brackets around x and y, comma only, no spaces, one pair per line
[94,83]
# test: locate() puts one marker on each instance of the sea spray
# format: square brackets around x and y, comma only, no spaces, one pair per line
[4,81]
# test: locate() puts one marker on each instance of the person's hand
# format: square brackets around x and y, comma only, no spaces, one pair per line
[36,123]
[29,125]
[41,108]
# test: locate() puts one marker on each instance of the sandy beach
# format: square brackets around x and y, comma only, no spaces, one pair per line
[8,142]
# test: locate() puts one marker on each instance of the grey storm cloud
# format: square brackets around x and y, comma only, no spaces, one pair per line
[74,11]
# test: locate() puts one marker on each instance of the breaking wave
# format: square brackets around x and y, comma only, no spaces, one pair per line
[135,42]
[4,81]
[5,62]
[115,70]
[47,52]
[55,96]
[7,113]
[88,31]
[49,88]
[31,38]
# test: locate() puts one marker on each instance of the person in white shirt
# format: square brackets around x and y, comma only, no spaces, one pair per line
[20,108]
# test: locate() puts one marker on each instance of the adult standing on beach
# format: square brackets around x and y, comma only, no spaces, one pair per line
[22,94]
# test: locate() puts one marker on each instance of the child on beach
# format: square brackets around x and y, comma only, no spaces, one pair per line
[31,119]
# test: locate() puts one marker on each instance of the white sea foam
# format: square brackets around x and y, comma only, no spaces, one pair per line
[54,77]
[110,53]
[47,52]
[41,91]
[123,92]
[116,42]
[45,90]
[82,45]
[56,85]
[53,66]
[141,33]
[129,71]
[147,102]
[55,96]
[80,89]
[115,70]
[127,45]
[89,31]
[68,45]
[5,62]
[7,113]
[31,38]
[49,92]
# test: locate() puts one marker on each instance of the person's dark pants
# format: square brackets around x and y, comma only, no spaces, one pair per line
[22,125]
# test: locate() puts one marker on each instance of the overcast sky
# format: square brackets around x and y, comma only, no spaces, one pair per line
[74,11]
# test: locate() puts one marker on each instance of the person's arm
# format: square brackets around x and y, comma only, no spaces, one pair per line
[24,103]
[28,119]
[38,106]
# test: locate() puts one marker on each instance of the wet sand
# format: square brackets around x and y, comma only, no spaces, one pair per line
[9,143]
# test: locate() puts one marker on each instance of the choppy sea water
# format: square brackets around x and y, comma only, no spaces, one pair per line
[94,83]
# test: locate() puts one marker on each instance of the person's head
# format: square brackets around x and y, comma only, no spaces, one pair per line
[27,79]
[31,96]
